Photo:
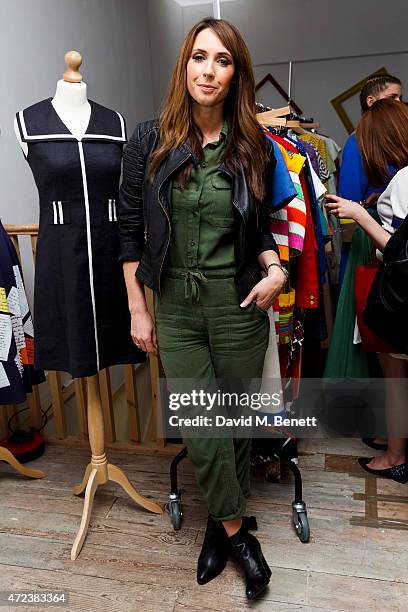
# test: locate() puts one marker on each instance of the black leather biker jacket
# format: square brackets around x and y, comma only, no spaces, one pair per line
[144,212]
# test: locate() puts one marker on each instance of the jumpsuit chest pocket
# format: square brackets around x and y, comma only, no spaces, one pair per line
[184,202]
[185,195]
[221,209]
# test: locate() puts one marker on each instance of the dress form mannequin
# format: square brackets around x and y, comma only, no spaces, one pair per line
[74,110]
[8,457]
[70,100]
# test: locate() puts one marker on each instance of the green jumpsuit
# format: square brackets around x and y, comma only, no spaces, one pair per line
[201,330]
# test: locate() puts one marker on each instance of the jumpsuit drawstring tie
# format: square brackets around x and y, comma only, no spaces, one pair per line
[191,284]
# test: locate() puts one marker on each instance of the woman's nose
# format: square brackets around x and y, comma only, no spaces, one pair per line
[208,69]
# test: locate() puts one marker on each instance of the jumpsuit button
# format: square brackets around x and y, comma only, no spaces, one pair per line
[203,165]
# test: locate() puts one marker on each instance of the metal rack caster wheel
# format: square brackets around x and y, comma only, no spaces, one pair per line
[175,511]
[302,527]
[301,522]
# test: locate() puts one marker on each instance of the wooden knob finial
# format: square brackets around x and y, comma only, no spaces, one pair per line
[73,60]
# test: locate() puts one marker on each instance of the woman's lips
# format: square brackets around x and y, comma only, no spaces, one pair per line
[207,88]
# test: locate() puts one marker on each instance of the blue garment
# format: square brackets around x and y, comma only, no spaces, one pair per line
[282,190]
[353,182]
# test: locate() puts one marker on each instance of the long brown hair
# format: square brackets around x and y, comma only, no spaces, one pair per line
[382,136]
[245,144]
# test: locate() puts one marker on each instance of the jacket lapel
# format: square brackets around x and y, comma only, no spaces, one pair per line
[172,163]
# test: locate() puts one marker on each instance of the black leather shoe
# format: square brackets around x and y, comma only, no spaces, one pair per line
[215,550]
[399,473]
[246,550]
[375,445]
[249,523]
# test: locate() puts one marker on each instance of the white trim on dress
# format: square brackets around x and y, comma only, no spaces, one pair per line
[89,245]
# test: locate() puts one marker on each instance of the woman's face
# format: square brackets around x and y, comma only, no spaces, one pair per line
[210,70]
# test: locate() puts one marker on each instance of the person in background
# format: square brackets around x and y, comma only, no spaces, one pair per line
[353,182]
[346,357]
[382,136]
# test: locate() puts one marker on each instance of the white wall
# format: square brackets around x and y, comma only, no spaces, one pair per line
[279,30]
[316,83]
[130,47]
[166,29]
[113,37]
[333,43]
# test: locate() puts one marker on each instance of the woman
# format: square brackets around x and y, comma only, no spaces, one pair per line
[382,135]
[353,180]
[193,216]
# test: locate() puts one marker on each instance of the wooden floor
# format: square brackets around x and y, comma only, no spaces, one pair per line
[134,561]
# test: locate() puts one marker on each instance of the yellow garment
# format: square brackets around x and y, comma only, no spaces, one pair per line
[294,161]
[319,143]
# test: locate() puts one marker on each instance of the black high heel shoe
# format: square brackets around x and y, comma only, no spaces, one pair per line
[246,550]
[215,550]
[399,473]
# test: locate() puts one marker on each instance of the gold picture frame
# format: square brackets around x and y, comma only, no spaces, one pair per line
[338,101]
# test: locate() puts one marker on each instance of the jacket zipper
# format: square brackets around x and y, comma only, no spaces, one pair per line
[168,218]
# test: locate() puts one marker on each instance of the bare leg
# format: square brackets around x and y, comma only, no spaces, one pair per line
[395,411]
[232,527]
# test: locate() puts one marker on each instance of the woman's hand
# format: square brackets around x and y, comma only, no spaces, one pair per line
[143,332]
[344,209]
[267,290]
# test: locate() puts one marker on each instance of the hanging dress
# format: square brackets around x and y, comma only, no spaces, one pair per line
[17,374]
[80,301]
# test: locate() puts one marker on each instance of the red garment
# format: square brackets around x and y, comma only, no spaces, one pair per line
[307,282]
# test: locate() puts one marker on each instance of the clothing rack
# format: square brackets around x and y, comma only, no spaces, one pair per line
[277,118]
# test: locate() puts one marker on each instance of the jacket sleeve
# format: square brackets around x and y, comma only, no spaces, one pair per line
[130,210]
[265,240]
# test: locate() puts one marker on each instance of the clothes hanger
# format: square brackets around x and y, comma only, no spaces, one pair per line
[296,126]
[274,117]
[273,122]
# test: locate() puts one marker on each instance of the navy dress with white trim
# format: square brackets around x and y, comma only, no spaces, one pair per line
[81,313]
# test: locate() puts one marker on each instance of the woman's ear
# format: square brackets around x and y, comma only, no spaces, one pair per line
[370,100]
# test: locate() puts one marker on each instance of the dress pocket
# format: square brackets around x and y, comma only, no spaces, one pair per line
[110,210]
[59,212]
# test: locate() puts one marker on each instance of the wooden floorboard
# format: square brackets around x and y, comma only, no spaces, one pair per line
[134,560]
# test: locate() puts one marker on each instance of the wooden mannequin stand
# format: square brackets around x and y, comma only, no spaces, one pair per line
[99,471]
[8,457]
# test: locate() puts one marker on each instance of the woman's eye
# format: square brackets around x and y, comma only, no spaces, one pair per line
[198,57]
[224,61]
